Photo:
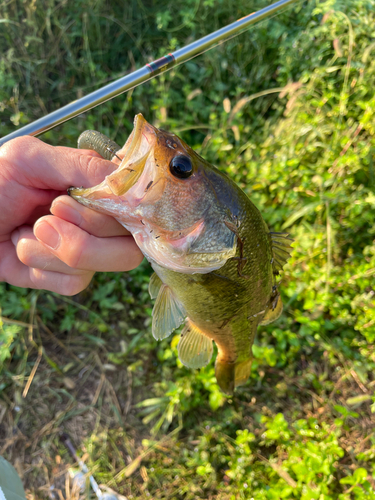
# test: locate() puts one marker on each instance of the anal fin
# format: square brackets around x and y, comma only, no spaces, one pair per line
[167,315]
[194,348]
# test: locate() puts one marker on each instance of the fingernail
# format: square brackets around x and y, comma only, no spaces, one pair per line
[15,236]
[47,234]
[67,213]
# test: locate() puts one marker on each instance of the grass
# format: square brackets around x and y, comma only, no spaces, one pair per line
[287,109]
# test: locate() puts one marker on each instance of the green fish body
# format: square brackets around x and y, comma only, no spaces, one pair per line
[215,261]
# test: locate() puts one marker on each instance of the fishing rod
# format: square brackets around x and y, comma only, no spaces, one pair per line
[145,73]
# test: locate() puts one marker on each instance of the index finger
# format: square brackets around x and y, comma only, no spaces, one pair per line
[94,223]
[33,163]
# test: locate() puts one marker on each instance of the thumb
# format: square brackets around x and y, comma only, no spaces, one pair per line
[33,163]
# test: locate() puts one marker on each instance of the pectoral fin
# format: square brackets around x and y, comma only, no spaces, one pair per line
[154,286]
[167,315]
[194,348]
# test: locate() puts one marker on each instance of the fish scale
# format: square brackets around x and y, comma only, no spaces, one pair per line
[215,260]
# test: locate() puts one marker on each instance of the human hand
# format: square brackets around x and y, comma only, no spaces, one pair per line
[58,252]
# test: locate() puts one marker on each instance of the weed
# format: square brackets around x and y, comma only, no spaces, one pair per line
[287,110]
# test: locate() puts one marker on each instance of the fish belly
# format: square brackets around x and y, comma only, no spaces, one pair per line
[222,308]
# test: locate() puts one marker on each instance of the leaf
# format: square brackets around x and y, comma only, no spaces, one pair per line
[307,209]
[347,480]
[216,399]
[341,409]
[8,21]
[150,402]
[10,483]
[358,399]
[360,475]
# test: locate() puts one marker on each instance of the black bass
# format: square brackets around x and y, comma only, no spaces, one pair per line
[215,260]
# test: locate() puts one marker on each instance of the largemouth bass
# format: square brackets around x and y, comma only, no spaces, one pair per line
[215,261]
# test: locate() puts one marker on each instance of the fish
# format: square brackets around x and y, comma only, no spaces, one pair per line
[215,262]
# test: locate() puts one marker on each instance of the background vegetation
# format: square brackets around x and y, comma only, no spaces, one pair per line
[288,110]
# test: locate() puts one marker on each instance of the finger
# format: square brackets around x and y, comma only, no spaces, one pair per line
[34,254]
[93,222]
[13,271]
[86,152]
[81,250]
[64,284]
[37,164]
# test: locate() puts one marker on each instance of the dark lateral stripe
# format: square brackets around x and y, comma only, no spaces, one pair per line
[161,64]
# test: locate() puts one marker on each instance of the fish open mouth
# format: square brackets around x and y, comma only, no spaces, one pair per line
[150,202]
[133,173]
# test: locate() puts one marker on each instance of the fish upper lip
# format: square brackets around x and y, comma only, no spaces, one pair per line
[137,162]
[134,139]
[137,148]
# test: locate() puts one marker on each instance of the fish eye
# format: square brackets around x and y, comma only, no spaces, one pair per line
[181,167]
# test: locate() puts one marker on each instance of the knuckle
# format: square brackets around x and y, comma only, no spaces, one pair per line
[14,155]
[13,148]
[96,168]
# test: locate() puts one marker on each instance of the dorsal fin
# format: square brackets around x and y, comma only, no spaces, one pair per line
[281,250]
[154,286]
[194,348]
[167,315]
